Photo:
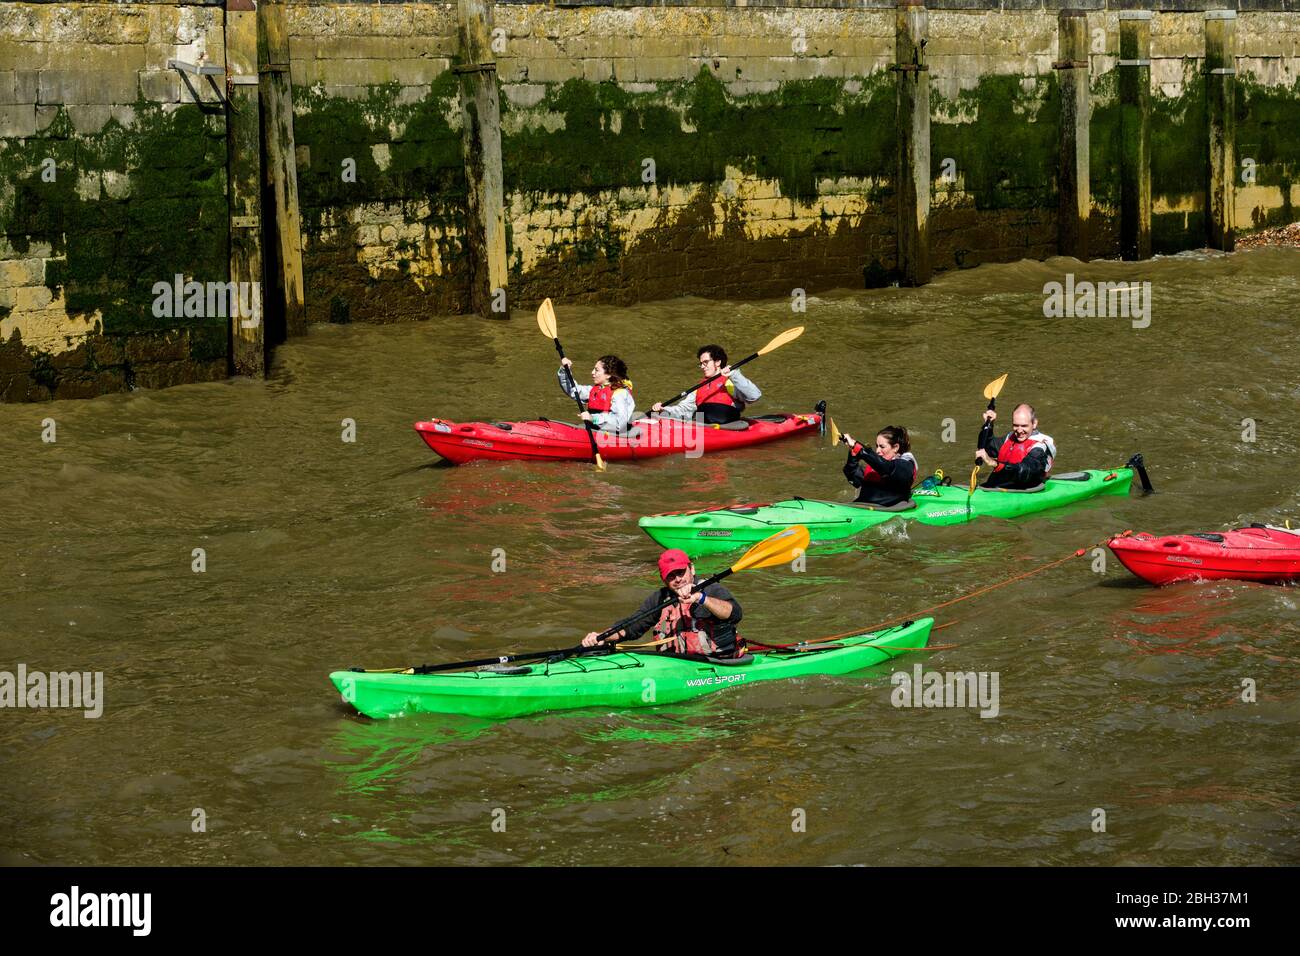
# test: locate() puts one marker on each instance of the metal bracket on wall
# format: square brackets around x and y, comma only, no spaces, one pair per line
[475,68]
[1133,63]
[207,70]
[238,79]
[910,67]
[243,222]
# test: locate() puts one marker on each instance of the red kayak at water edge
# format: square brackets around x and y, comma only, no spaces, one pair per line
[1258,553]
[545,440]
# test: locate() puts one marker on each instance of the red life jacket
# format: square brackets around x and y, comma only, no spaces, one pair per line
[690,635]
[681,626]
[718,392]
[1014,452]
[873,477]
[601,398]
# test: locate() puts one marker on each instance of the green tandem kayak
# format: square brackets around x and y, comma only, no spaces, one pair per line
[618,680]
[737,526]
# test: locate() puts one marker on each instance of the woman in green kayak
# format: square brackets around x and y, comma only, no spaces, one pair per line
[610,406]
[883,476]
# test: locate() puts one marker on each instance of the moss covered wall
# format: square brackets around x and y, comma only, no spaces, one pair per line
[770,131]
[108,184]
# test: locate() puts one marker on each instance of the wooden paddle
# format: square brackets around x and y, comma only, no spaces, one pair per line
[991,391]
[785,338]
[780,548]
[546,322]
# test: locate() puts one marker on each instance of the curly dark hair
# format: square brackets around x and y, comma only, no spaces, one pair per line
[616,369]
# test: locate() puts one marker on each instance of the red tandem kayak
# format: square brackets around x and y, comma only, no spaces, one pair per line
[1257,553]
[545,440]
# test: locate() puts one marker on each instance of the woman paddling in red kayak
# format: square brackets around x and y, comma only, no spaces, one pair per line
[703,623]
[720,401]
[884,476]
[610,406]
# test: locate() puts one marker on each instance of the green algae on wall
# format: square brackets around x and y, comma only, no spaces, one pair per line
[111,241]
[1007,144]
[1268,132]
[423,151]
[402,157]
[694,129]
[1103,140]
[1180,150]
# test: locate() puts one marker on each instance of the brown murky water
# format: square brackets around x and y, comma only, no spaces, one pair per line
[323,554]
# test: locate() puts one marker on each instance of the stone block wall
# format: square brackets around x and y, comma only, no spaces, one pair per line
[648,151]
[111,179]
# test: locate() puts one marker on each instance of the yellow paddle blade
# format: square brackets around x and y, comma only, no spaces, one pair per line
[546,319]
[600,463]
[974,477]
[835,432]
[785,338]
[781,548]
[991,390]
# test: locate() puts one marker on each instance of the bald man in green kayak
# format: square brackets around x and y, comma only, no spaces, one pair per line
[695,623]
[1023,458]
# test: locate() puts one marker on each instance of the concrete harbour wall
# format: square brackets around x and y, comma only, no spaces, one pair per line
[644,152]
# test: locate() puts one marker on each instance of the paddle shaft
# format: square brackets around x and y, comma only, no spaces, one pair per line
[985,426]
[680,395]
[573,387]
[564,651]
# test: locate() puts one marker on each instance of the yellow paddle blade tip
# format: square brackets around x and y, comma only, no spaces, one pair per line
[546,319]
[994,388]
[780,548]
[785,338]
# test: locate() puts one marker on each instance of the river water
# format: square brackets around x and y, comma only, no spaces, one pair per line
[323,554]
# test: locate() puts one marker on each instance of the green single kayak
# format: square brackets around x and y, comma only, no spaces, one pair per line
[737,526]
[620,679]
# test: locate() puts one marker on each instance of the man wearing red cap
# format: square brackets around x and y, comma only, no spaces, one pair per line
[697,622]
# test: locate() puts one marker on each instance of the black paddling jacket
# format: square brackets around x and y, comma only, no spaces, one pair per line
[1027,473]
[880,482]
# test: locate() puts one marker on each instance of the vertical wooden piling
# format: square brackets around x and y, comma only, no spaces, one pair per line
[1135,133]
[912,119]
[285,252]
[244,169]
[485,228]
[1220,103]
[1075,197]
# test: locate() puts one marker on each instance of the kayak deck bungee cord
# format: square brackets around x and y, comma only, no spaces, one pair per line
[618,679]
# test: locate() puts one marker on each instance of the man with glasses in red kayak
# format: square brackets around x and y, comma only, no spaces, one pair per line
[695,623]
[1023,459]
[719,402]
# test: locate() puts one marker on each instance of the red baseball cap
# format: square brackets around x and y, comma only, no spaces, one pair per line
[672,560]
